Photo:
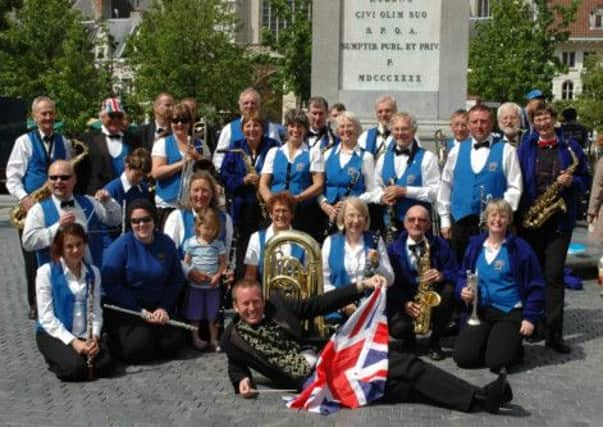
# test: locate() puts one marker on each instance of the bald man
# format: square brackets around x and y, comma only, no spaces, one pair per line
[63,207]
[405,254]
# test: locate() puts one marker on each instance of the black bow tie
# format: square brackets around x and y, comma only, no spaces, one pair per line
[417,248]
[47,138]
[116,136]
[399,151]
[159,130]
[384,134]
[318,134]
[479,145]
[67,204]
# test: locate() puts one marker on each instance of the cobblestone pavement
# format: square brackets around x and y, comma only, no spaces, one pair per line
[550,389]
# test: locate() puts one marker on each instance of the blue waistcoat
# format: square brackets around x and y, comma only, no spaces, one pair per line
[371,140]
[411,177]
[63,299]
[339,277]
[296,252]
[117,163]
[466,194]
[236,132]
[37,167]
[188,221]
[338,179]
[300,176]
[167,188]
[95,238]
[496,285]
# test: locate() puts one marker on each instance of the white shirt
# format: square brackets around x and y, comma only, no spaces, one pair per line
[174,228]
[362,139]
[252,256]
[224,142]
[355,262]
[371,194]
[317,163]
[412,259]
[77,285]
[37,236]
[19,160]
[114,145]
[430,176]
[511,169]
[159,150]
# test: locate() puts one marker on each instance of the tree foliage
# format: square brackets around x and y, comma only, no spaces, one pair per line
[186,48]
[514,50]
[294,46]
[7,6]
[48,51]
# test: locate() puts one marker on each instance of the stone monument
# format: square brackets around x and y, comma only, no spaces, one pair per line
[413,50]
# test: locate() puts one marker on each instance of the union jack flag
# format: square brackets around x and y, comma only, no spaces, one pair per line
[352,368]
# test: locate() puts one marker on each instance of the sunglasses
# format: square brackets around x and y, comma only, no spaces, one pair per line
[59,177]
[183,120]
[415,219]
[141,220]
[116,116]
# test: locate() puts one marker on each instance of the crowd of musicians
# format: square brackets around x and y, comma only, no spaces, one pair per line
[152,222]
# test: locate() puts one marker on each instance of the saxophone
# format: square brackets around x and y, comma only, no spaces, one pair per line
[550,202]
[426,297]
[18,213]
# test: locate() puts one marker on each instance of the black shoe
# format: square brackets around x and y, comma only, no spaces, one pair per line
[436,353]
[495,394]
[33,313]
[559,346]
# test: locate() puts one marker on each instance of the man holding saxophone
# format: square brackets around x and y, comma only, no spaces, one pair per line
[407,305]
[26,172]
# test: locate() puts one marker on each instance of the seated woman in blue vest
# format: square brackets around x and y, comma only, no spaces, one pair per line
[68,334]
[349,170]
[170,155]
[510,294]
[180,224]
[353,254]
[280,209]
[142,272]
[242,184]
[296,169]
[408,174]
[129,186]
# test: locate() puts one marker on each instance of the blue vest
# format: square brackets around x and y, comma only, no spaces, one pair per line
[338,179]
[466,194]
[117,163]
[236,132]
[167,188]
[299,174]
[450,144]
[63,299]
[37,167]
[497,287]
[339,277]
[371,140]
[95,238]
[411,177]
[188,221]
[296,252]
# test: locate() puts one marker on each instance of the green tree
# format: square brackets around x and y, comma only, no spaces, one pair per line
[589,103]
[514,50]
[293,43]
[186,48]
[48,51]
[7,6]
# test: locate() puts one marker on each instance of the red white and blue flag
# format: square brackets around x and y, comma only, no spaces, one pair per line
[352,369]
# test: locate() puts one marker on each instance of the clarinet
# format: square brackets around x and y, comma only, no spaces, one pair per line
[89,327]
[390,227]
[348,190]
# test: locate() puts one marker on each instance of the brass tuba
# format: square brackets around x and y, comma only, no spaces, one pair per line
[18,213]
[289,275]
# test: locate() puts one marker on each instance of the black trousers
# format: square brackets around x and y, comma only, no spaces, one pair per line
[462,231]
[309,218]
[134,340]
[162,214]
[495,343]
[410,379]
[250,221]
[31,265]
[67,364]
[551,247]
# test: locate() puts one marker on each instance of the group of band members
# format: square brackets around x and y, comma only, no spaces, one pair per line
[327,178]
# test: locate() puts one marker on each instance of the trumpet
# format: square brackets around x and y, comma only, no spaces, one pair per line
[473,284]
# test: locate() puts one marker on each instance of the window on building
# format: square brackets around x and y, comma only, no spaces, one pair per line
[567,90]
[595,19]
[483,8]
[569,59]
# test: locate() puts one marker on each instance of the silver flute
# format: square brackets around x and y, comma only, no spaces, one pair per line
[89,329]
[146,317]
[473,284]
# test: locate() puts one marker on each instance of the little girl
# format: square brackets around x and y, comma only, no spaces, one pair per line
[208,255]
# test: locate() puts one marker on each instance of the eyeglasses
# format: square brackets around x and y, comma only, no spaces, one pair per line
[183,120]
[59,177]
[141,220]
[415,219]
[113,116]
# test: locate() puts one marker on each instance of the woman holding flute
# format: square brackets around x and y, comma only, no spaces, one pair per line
[142,272]
[510,294]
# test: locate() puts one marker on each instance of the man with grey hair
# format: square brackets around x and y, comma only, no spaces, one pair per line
[250,102]
[374,139]
[26,171]
[160,125]
[509,122]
